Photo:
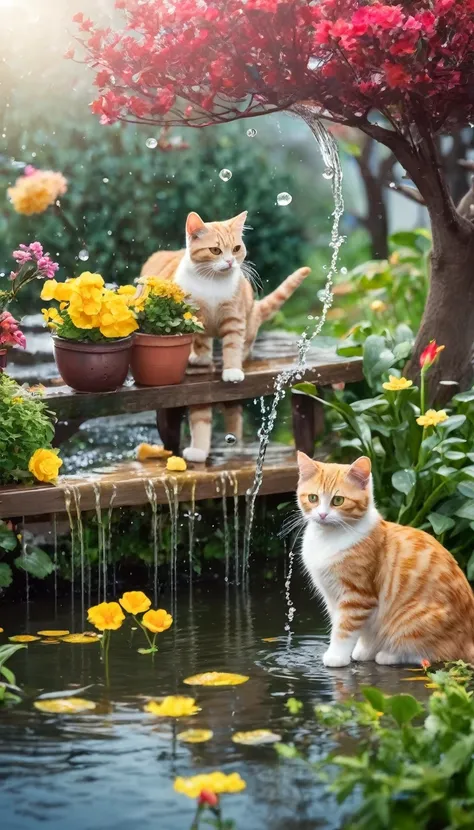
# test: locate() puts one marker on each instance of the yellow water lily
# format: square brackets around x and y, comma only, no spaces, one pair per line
[135,602]
[65,705]
[195,736]
[256,737]
[157,621]
[215,782]
[80,638]
[23,638]
[107,616]
[216,678]
[145,451]
[432,418]
[173,706]
[53,632]
[395,384]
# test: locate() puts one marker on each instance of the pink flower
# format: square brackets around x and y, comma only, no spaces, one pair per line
[45,267]
[10,334]
[29,170]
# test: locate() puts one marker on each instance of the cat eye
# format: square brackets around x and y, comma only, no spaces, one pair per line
[313,498]
[215,251]
[236,249]
[336,501]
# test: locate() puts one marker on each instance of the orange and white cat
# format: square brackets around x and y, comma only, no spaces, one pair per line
[393,593]
[211,270]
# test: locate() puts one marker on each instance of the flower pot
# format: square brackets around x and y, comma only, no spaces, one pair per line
[93,367]
[3,359]
[160,360]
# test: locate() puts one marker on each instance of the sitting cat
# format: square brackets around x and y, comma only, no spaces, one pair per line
[393,593]
[212,271]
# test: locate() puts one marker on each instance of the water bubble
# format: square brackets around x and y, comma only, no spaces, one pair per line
[230,438]
[105,180]
[83,255]
[328,174]
[284,199]
[252,132]
[225,174]
[343,270]
[151,143]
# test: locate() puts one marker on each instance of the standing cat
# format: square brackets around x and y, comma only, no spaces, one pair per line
[212,271]
[393,593]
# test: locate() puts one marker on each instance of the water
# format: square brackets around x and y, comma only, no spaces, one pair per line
[83,255]
[226,529]
[76,494]
[225,175]
[151,496]
[284,199]
[329,151]
[251,132]
[151,143]
[104,770]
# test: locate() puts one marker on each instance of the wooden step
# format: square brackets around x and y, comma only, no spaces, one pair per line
[128,484]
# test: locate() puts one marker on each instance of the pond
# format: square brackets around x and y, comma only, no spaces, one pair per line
[114,767]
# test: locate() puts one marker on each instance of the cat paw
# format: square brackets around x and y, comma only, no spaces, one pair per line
[362,653]
[200,359]
[334,660]
[194,454]
[386,658]
[233,375]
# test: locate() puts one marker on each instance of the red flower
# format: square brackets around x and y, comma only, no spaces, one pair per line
[429,355]
[396,75]
[208,799]
[425,664]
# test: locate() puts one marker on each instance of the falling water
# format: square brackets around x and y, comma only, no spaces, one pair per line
[329,152]
[290,608]
[171,489]
[151,496]
[55,562]
[108,541]
[236,530]
[101,553]
[192,526]
[67,505]
[223,479]
[80,532]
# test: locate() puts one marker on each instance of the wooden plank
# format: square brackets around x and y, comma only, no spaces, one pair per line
[200,388]
[125,485]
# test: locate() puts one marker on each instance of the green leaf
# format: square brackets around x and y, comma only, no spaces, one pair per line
[305,389]
[350,349]
[152,650]
[457,756]
[8,650]
[404,708]
[440,523]
[8,675]
[8,540]
[452,423]
[369,403]
[373,348]
[293,705]
[36,562]
[375,697]
[287,751]
[470,568]
[466,511]
[454,455]
[402,351]
[464,397]
[466,488]
[404,481]
[6,575]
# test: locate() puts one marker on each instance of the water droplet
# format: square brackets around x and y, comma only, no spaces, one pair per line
[151,143]
[284,199]
[328,174]
[105,180]
[230,438]
[252,132]
[83,255]
[343,270]
[225,174]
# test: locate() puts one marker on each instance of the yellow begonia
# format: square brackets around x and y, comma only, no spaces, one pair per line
[35,193]
[432,418]
[176,464]
[127,290]
[187,316]
[44,465]
[216,782]
[107,616]
[157,621]
[164,288]
[135,602]
[397,384]
[173,706]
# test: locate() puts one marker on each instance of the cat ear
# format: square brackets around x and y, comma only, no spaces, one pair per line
[194,224]
[307,466]
[359,472]
[239,221]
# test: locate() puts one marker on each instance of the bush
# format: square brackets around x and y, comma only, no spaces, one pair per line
[25,427]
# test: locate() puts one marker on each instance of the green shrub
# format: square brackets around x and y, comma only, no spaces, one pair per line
[25,426]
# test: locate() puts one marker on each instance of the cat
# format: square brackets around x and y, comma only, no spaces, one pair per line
[393,593]
[212,271]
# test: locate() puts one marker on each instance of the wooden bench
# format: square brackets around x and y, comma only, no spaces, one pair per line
[273,354]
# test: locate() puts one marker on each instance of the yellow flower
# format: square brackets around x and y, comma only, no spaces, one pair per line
[127,290]
[394,258]
[37,389]
[187,315]
[256,737]
[157,621]
[195,736]
[432,418]
[65,705]
[135,602]
[216,678]
[17,399]
[23,638]
[176,464]
[378,305]
[216,782]
[86,300]
[164,288]
[1,630]
[35,193]
[44,465]
[397,384]
[116,319]
[107,616]
[173,706]
[48,291]
[145,451]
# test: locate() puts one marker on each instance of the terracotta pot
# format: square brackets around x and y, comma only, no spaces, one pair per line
[3,359]
[93,367]
[160,360]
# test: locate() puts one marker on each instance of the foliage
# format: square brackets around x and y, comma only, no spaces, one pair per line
[8,688]
[31,559]
[410,771]
[26,426]
[423,475]
[164,309]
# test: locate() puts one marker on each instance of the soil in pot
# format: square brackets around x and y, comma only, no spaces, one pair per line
[93,367]
[160,360]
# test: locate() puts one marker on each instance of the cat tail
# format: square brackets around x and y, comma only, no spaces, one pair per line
[268,306]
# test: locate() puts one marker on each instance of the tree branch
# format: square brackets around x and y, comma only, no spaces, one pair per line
[410,192]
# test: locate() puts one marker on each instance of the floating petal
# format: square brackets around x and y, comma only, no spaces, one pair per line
[54,632]
[256,737]
[216,678]
[411,679]
[270,639]
[65,705]
[195,736]
[80,638]
[173,706]
[23,638]
[50,642]
[216,782]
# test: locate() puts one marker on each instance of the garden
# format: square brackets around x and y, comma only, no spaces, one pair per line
[237,414]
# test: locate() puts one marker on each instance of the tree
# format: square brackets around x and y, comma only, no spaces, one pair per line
[403,73]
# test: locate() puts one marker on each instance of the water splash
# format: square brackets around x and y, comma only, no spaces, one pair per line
[100,540]
[225,174]
[76,493]
[284,199]
[151,496]
[192,528]
[67,506]
[55,562]
[290,608]
[330,155]
[236,530]
[223,479]
[108,542]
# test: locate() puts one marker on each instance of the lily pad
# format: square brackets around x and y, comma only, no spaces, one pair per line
[50,642]
[216,678]
[54,632]
[80,638]
[195,736]
[256,737]
[65,705]
[23,638]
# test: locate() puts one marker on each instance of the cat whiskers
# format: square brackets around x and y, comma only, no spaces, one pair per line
[250,272]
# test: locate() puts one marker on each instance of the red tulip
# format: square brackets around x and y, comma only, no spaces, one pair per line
[208,799]
[429,355]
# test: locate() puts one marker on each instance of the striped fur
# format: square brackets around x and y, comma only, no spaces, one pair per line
[213,271]
[393,593]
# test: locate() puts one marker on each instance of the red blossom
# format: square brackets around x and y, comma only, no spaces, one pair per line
[208,798]
[430,355]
